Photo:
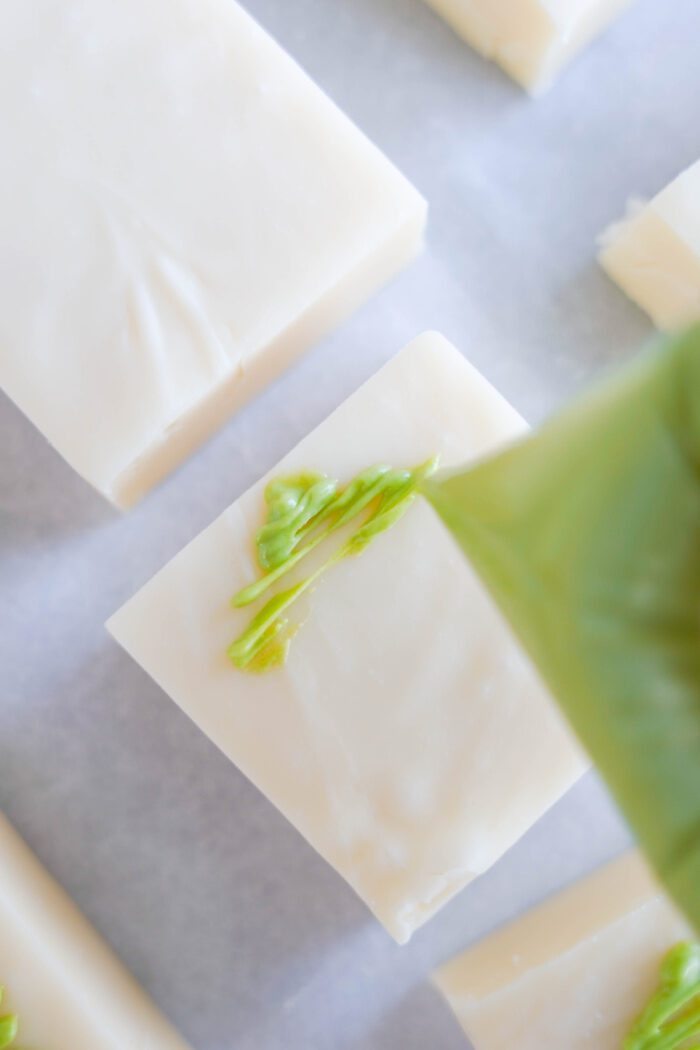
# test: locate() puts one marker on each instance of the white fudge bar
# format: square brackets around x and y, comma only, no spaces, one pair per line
[182,212]
[654,254]
[407,738]
[530,39]
[574,973]
[59,977]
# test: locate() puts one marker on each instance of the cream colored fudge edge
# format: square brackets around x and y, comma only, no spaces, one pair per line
[268,364]
[647,256]
[549,929]
[535,42]
[84,965]
[542,52]
[593,24]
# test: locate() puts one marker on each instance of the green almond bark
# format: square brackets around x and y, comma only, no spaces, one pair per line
[587,534]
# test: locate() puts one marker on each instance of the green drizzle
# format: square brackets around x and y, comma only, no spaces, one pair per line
[302,512]
[9,1026]
[672,1018]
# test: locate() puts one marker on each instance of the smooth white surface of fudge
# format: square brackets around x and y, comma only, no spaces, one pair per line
[654,253]
[573,973]
[407,738]
[530,39]
[67,988]
[182,212]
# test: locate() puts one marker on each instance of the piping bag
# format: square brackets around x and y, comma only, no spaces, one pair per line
[587,535]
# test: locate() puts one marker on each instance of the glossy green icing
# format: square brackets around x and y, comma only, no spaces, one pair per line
[671,1020]
[302,513]
[9,1025]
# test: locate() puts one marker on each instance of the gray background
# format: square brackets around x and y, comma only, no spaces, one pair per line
[239,931]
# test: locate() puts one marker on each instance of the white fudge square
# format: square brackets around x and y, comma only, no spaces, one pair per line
[575,972]
[530,39]
[654,253]
[67,988]
[182,213]
[407,738]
